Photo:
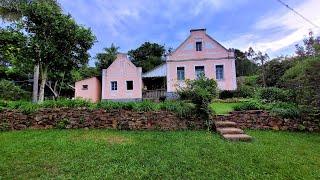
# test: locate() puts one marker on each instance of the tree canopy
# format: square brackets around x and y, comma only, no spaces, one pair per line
[244,67]
[147,56]
[105,59]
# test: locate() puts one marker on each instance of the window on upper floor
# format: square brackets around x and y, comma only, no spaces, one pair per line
[85,87]
[219,72]
[180,73]
[114,85]
[199,71]
[199,46]
[129,85]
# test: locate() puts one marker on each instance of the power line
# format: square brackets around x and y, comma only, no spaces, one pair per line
[299,14]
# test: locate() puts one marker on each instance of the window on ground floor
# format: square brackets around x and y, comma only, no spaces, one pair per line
[114,85]
[129,85]
[199,71]
[180,73]
[219,72]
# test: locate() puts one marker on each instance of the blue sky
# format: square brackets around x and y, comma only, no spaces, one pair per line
[265,25]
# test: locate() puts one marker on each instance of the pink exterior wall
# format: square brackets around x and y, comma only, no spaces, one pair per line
[122,70]
[93,93]
[212,54]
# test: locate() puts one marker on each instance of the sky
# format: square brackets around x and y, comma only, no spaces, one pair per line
[265,25]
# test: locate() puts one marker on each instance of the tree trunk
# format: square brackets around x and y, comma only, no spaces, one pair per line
[263,74]
[44,76]
[35,83]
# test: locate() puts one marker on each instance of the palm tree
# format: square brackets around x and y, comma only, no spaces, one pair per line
[105,59]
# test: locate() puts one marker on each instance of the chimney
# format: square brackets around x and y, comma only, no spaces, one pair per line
[203,30]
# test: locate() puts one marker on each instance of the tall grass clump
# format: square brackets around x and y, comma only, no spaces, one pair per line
[181,108]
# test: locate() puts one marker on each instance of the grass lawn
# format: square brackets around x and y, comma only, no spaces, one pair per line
[222,108]
[82,154]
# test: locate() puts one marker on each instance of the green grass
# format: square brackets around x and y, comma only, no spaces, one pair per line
[81,154]
[223,108]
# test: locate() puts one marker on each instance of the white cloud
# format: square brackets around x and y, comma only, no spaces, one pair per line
[215,5]
[280,29]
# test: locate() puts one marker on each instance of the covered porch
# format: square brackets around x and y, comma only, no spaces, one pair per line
[155,83]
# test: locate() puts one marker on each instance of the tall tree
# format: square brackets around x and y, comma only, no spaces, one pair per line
[310,47]
[275,69]
[59,43]
[14,59]
[105,59]
[147,56]
[11,10]
[260,59]
[244,67]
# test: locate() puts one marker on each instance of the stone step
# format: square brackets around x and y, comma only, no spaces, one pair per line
[237,137]
[224,124]
[230,131]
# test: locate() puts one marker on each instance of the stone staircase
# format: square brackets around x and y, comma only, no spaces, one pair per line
[229,131]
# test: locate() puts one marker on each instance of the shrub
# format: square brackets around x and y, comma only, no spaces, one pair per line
[249,105]
[200,92]
[182,109]
[10,91]
[303,78]
[273,94]
[251,81]
[245,91]
[145,106]
[66,103]
[3,103]
[226,94]
[24,106]
[285,110]
[110,105]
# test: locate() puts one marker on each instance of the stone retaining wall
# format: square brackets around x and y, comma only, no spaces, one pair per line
[259,119]
[84,118]
[73,118]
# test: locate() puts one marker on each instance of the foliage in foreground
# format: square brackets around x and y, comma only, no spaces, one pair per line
[200,92]
[179,107]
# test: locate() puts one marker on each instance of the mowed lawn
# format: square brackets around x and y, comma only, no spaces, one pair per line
[112,154]
[223,108]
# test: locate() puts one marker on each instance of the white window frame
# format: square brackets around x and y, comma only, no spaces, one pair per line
[184,73]
[127,85]
[114,87]
[195,72]
[216,72]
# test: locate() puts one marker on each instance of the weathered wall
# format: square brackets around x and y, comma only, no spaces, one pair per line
[92,93]
[258,119]
[130,120]
[85,118]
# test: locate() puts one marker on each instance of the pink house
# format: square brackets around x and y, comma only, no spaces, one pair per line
[198,55]
[89,89]
[122,81]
